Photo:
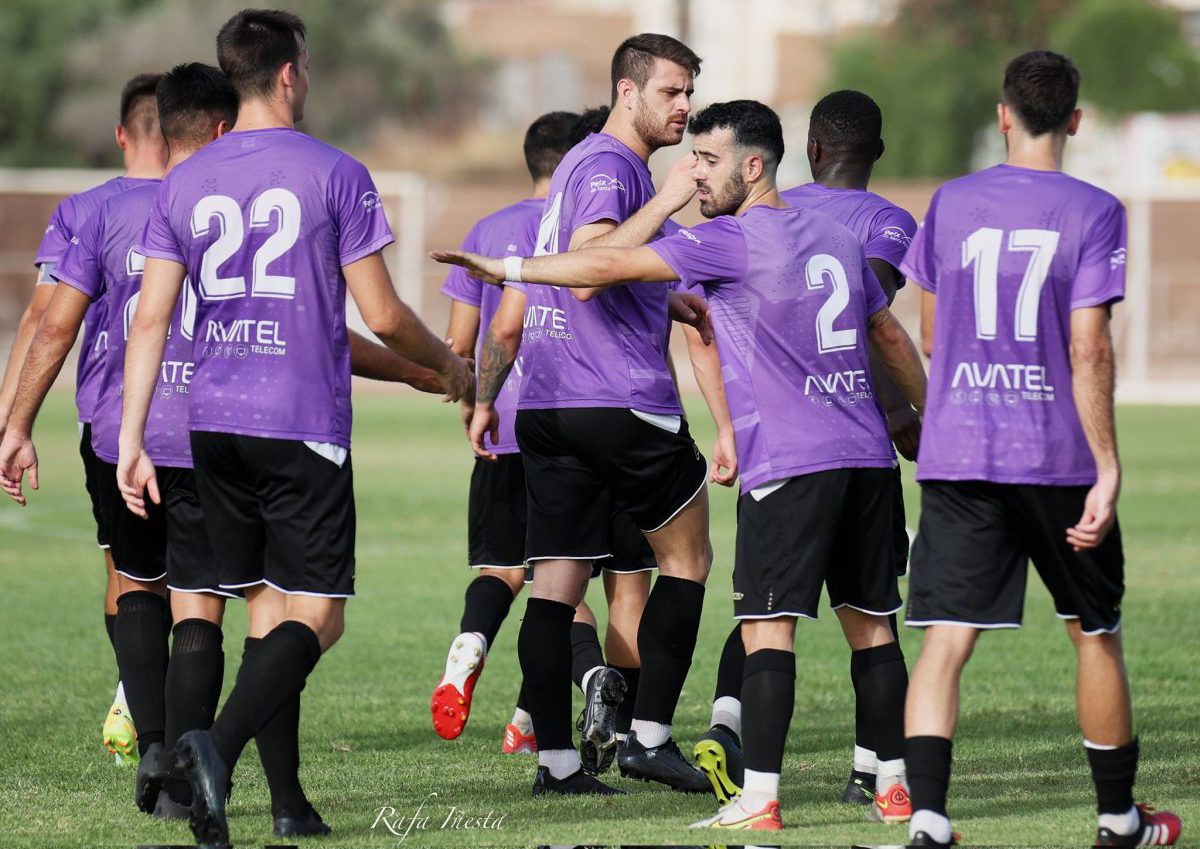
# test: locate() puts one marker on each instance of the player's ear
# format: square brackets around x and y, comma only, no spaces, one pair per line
[626,92]
[122,138]
[882,147]
[1002,118]
[814,150]
[1073,124]
[221,129]
[752,168]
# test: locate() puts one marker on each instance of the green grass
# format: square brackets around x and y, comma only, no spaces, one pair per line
[1019,778]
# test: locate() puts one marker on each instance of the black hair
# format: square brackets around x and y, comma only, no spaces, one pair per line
[193,98]
[590,121]
[634,59]
[848,122]
[137,104]
[547,141]
[1042,88]
[753,124]
[254,44]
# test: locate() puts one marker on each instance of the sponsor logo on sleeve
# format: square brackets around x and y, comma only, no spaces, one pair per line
[605,183]
[896,235]
[688,234]
[74,240]
[371,201]
[49,229]
[1116,259]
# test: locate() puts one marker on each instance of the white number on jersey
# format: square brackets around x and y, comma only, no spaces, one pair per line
[982,249]
[278,204]
[820,268]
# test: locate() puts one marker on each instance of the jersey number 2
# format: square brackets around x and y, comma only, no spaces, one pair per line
[279,204]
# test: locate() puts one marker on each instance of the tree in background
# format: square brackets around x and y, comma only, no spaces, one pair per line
[377,63]
[936,70]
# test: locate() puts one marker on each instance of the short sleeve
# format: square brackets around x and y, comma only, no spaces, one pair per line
[601,190]
[919,263]
[872,291]
[891,235]
[711,255]
[57,237]
[81,267]
[357,211]
[158,238]
[459,285]
[1100,278]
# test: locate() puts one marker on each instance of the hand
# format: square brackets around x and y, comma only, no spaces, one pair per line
[458,377]
[904,427]
[136,477]
[680,186]
[16,455]
[489,269]
[688,308]
[485,421]
[1099,512]
[724,456]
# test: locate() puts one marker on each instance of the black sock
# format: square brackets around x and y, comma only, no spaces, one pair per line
[768,697]
[880,684]
[487,602]
[927,760]
[278,746]
[585,651]
[142,659]
[862,726]
[1113,772]
[193,688]
[632,675]
[666,640]
[544,647]
[731,670]
[522,698]
[110,625]
[270,676]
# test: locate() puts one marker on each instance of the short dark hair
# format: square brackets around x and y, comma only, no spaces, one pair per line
[848,122]
[634,59]
[1042,87]
[193,98]
[753,124]
[137,104]
[590,121]
[254,44]
[547,141]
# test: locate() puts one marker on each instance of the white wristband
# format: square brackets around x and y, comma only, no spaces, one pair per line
[512,269]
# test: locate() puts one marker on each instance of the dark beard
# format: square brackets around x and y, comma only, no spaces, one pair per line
[653,134]
[728,201]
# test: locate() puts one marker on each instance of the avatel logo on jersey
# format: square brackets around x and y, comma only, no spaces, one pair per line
[605,183]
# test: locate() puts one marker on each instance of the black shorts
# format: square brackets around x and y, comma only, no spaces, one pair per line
[278,513]
[899,523]
[971,557]
[496,519]
[832,528]
[93,482]
[171,543]
[584,464]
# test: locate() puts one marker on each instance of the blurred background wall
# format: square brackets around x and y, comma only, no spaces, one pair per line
[440,92]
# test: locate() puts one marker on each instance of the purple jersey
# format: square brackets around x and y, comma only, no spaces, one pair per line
[503,233]
[1009,252]
[264,221]
[104,265]
[610,351]
[790,292]
[884,229]
[65,224]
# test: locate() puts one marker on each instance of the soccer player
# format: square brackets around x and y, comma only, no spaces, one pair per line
[794,303]
[496,521]
[1020,266]
[844,142]
[273,227]
[600,429]
[144,154]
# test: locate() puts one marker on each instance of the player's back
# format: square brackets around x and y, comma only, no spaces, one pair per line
[609,351]
[1010,252]
[790,304]
[264,221]
[870,217]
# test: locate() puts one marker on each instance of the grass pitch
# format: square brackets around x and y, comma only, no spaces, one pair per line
[1020,776]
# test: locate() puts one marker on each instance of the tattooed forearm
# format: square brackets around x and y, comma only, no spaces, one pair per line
[495,362]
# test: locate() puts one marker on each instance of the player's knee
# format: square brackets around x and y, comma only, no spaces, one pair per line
[949,646]
[514,578]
